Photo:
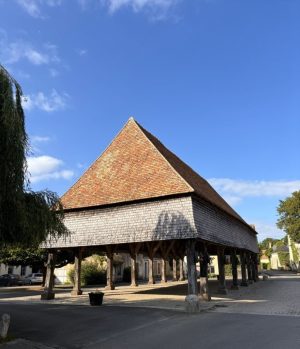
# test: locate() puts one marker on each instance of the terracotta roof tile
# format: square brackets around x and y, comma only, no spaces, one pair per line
[131,168]
[137,166]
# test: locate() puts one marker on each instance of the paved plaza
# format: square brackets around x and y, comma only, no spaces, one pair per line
[266,313]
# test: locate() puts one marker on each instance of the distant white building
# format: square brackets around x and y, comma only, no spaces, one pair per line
[12,269]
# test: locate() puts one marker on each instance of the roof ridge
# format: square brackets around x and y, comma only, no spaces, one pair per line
[104,151]
[236,215]
[144,131]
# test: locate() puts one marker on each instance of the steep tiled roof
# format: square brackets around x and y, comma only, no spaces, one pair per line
[131,168]
[137,166]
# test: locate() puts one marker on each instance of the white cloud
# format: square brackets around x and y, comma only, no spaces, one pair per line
[36,142]
[82,52]
[232,200]
[39,139]
[234,191]
[53,102]
[155,9]
[36,57]
[267,230]
[33,7]
[243,188]
[139,5]
[46,167]
[13,52]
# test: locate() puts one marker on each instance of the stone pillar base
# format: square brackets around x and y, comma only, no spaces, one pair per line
[181,279]
[109,287]
[76,293]
[205,297]
[134,284]
[244,283]
[222,291]
[151,282]
[46,296]
[234,287]
[192,304]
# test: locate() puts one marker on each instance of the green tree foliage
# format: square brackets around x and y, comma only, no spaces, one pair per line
[289,216]
[33,257]
[266,246]
[26,217]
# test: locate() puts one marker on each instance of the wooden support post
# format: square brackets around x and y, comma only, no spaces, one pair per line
[152,249]
[76,291]
[204,261]
[243,269]
[191,267]
[256,267]
[151,280]
[191,300]
[48,292]
[109,271]
[233,256]
[249,269]
[244,281]
[165,250]
[174,269]
[134,248]
[164,270]
[181,273]
[133,270]
[253,268]
[221,262]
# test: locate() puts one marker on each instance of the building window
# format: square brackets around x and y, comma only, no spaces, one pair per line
[23,270]
[10,269]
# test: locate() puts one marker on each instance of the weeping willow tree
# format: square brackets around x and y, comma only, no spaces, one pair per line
[26,217]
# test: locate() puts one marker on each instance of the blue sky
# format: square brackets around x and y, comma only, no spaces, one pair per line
[217,81]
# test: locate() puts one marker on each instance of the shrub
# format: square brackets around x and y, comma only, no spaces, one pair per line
[228,270]
[91,274]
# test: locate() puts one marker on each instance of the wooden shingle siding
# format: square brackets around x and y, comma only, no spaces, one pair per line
[216,226]
[148,221]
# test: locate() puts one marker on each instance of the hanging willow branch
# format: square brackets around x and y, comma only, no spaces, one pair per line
[26,217]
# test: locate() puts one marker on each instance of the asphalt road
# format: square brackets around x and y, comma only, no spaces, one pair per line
[124,327]
[267,317]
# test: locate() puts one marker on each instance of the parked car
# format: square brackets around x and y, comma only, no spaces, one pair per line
[10,280]
[34,278]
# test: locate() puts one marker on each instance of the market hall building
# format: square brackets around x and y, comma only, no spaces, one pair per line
[139,197]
